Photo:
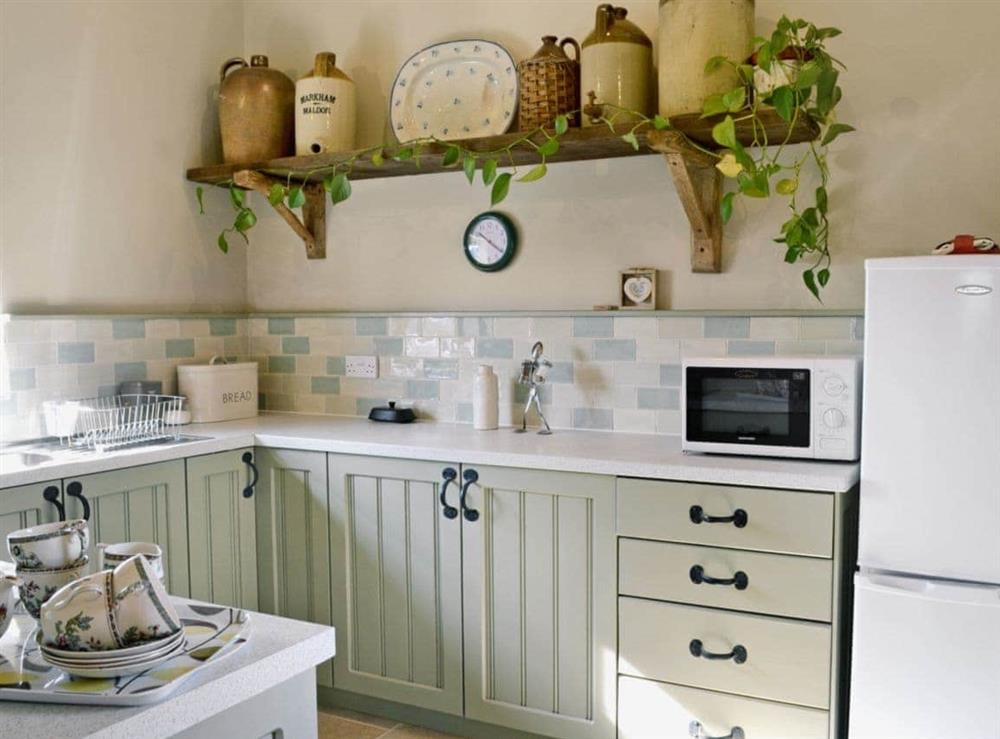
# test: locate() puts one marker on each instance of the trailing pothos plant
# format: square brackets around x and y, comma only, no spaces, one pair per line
[795,54]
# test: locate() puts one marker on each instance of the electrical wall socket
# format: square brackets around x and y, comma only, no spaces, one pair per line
[362,366]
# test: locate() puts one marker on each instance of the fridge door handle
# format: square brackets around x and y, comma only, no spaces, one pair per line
[925,589]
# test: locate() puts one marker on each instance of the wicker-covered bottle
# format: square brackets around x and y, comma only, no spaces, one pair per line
[550,84]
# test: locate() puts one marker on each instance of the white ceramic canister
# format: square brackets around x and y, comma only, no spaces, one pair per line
[325,107]
[690,33]
[485,399]
[616,64]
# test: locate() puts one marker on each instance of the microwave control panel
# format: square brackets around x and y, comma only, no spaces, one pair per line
[836,409]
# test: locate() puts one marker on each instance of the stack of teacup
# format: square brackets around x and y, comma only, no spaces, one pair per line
[111,623]
[8,594]
[48,556]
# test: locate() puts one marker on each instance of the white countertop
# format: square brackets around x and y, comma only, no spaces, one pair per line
[278,649]
[596,452]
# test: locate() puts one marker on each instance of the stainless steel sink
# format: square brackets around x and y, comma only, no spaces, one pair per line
[24,459]
[34,452]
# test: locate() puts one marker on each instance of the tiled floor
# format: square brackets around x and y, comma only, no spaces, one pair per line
[335,723]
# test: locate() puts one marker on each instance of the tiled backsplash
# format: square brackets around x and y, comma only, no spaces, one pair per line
[611,372]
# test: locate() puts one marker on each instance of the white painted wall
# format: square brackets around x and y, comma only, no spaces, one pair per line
[102,107]
[921,87]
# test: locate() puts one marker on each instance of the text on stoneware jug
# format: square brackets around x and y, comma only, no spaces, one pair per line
[256,111]
[325,109]
[617,64]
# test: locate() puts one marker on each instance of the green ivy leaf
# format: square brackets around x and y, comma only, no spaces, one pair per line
[378,157]
[276,193]
[561,125]
[536,173]
[630,138]
[783,100]
[825,86]
[824,33]
[786,186]
[726,207]
[469,166]
[714,63]
[821,200]
[451,155]
[823,276]
[296,198]
[500,188]
[713,105]
[489,171]
[340,188]
[550,147]
[199,192]
[245,220]
[764,56]
[807,76]
[834,131]
[810,217]
[404,154]
[660,123]
[223,244]
[734,100]
[237,196]
[792,254]
[724,133]
[810,279]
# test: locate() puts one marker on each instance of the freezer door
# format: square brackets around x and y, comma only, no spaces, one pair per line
[925,659]
[930,463]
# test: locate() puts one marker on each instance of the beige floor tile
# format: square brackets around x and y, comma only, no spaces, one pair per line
[363,718]
[415,732]
[334,727]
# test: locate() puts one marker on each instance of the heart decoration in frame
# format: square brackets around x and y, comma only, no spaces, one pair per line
[637,288]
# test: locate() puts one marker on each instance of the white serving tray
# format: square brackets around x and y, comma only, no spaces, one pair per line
[211,631]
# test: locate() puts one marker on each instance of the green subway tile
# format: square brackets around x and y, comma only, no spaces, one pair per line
[750,348]
[389,346]
[670,375]
[336,366]
[494,348]
[326,385]
[295,344]
[727,327]
[658,398]
[281,325]
[463,412]
[180,348]
[76,352]
[614,350]
[222,326]
[441,369]
[363,406]
[600,419]
[279,364]
[423,389]
[598,327]
[128,328]
[560,372]
[22,379]
[125,371]
[371,326]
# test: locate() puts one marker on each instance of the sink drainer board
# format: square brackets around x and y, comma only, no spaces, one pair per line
[211,631]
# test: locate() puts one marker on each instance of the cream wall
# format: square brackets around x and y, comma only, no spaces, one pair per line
[921,87]
[102,106]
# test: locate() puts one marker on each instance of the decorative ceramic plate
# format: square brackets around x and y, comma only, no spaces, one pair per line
[211,632]
[454,90]
[112,670]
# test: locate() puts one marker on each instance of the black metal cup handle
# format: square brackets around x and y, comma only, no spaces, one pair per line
[254,474]
[75,489]
[697,731]
[449,474]
[739,517]
[51,494]
[471,477]
[739,580]
[737,654]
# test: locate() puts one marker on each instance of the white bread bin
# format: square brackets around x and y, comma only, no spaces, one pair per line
[218,391]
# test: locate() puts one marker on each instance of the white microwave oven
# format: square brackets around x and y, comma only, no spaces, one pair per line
[772,406]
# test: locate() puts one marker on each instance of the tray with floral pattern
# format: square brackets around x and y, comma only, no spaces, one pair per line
[211,632]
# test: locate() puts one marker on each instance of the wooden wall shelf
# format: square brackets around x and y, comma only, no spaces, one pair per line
[699,184]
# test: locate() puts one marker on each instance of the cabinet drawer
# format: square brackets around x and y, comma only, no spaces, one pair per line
[654,710]
[784,521]
[783,660]
[776,584]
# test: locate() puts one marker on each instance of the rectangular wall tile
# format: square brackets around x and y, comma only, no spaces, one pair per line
[179,348]
[422,346]
[495,348]
[295,344]
[336,365]
[600,419]
[741,348]
[125,371]
[595,327]
[76,352]
[658,398]
[670,375]
[281,364]
[22,378]
[222,326]
[826,328]
[727,327]
[423,389]
[439,326]
[441,369]
[281,326]
[371,326]
[389,346]
[614,350]
[325,385]
[128,328]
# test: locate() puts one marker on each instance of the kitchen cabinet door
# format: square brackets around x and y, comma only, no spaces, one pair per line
[293,539]
[28,505]
[144,503]
[397,590]
[539,570]
[222,533]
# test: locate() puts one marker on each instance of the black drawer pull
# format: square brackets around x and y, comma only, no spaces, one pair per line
[449,474]
[697,731]
[75,490]
[471,477]
[739,518]
[739,580]
[51,494]
[738,654]
[254,474]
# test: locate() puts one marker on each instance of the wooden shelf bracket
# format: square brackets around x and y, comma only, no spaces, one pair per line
[312,228]
[699,186]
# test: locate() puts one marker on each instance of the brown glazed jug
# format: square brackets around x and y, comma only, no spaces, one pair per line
[256,111]
[549,84]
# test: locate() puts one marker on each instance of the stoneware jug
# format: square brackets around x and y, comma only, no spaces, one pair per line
[325,109]
[256,111]
[691,32]
[549,84]
[617,63]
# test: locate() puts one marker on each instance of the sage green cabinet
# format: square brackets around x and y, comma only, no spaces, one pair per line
[397,589]
[539,607]
[293,539]
[222,528]
[145,503]
[26,506]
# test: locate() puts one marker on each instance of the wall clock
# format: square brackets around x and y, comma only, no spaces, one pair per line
[490,241]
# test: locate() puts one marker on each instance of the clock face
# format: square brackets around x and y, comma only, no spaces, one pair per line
[490,242]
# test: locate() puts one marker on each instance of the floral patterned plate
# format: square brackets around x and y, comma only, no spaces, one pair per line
[454,90]
[211,632]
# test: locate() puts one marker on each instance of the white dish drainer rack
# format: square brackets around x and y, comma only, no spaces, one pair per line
[112,421]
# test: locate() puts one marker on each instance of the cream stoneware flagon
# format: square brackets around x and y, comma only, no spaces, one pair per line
[325,109]
[616,64]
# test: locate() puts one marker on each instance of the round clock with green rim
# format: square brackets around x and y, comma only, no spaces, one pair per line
[490,241]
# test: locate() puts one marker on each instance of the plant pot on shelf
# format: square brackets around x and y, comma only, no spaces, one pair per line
[783,71]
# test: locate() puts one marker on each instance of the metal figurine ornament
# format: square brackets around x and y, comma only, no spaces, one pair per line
[533,373]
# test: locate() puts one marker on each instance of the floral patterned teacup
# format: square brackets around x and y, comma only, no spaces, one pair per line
[149,614]
[8,595]
[49,546]
[113,555]
[78,618]
[37,586]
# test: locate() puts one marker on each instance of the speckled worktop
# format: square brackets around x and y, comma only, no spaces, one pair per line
[278,650]
[597,452]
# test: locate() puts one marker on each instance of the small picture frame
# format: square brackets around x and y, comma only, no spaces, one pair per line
[637,288]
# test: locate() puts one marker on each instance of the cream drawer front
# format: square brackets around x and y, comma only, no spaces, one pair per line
[800,587]
[783,660]
[653,710]
[782,521]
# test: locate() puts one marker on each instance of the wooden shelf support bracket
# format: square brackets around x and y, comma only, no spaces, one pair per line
[699,186]
[312,228]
